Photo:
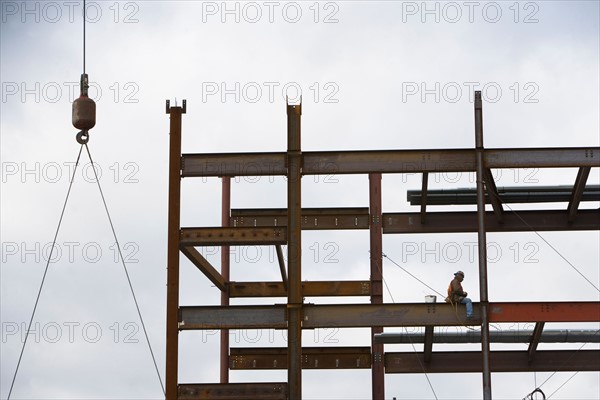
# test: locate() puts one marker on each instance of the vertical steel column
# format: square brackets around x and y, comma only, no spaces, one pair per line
[375,232]
[294,242]
[481,241]
[173,251]
[225,217]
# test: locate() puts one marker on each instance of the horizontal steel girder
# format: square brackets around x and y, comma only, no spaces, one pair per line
[386,161]
[309,288]
[232,391]
[312,218]
[545,312]
[312,358]
[496,336]
[527,194]
[386,315]
[500,361]
[466,221]
[232,236]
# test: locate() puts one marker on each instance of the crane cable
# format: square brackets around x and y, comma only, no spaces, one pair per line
[411,342]
[45,273]
[541,237]
[454,304]
[50,258]
[137,307]
[572,266]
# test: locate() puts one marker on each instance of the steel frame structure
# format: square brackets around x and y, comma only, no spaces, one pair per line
[277,227]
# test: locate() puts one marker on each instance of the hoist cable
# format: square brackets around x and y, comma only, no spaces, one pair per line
[403,269]
[411,342]
[84,36]
[112,227]
[45,273]
[563,364]
[544,239]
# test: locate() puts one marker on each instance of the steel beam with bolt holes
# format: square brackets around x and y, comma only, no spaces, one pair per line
[312,358]
[232,391]
[232,236]
[312,218]
[309,289]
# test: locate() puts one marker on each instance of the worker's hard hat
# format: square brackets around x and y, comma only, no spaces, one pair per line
[459,273]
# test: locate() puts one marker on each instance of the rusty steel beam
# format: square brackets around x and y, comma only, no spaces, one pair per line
[386,161]
[545,312]
[482,247]
[172,333]
[233,391]
[232,317]
[383,315]
[225,271]
[535,340]
[578,189]
[376,269]
[312,218]
[281,261]
[312,358]
[368,315]
[466,221]
[205,266]
[500,361]
[232,236]
[428,343]
[233,164]
[309,289]
[492,194]
[294,249]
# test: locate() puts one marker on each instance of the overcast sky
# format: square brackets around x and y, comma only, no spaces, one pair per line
[373,75]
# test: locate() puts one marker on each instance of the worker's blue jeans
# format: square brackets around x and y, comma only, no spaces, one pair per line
[467,301]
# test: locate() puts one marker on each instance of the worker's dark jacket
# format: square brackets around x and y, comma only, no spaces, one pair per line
[455,291]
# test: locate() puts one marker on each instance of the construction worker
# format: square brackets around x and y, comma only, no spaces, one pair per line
[456,294]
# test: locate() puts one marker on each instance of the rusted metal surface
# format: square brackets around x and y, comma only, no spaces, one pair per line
[233,391]
[312,218]
[232,236]
[294,248]
[233,164]
[309,289]
[492,194]
[387,161]
[545,312]
[397,314]
[500,361]
[206,267]
[232,317]
[535,340]
[172,339]
[376,269]
[312,358]
[225,272]
[510,194]
[428,343]
[282,270]
[466,221]
[482,250]
[578,188]
[384,315]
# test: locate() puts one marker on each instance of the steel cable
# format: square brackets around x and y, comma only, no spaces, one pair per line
[45,273]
